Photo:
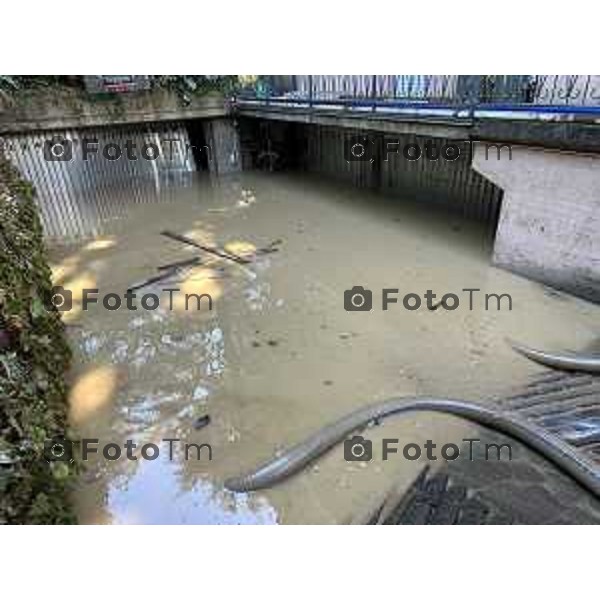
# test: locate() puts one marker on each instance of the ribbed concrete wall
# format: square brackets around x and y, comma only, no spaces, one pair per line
[77,196]
[452,184]
[324,154]
[223,139]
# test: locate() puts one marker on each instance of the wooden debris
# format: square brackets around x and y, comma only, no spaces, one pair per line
[215,251]
[181,263]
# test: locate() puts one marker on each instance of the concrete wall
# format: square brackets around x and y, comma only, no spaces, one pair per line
[549,227]
[66,108]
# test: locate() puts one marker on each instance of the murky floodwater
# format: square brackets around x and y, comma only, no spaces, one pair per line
[278,356]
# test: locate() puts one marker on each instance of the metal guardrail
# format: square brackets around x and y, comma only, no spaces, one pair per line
[538,93]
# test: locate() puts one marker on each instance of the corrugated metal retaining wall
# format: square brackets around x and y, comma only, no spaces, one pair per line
[76,196]
[452,184]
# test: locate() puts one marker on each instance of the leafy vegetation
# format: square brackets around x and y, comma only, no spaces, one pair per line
[188,85]
[185,86]
[34,356]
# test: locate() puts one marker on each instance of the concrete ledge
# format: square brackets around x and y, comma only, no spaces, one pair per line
[363,121]
[562,135]
[549,227]
[67,108]
[574,132]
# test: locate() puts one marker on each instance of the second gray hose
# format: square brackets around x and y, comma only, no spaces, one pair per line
[566,361]
[297,457]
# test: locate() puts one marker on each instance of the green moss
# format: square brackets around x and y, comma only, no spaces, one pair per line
[34,357]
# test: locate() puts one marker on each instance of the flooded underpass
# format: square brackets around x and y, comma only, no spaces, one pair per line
[273,355]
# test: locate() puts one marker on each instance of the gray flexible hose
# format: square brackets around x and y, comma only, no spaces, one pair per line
[297,457]
[567,361]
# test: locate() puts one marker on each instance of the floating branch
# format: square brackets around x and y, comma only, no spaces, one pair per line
[181,263]
[185,240]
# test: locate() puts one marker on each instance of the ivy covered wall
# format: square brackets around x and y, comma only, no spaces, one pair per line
[34,357]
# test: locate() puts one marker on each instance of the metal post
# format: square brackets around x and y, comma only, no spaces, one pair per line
[374,90]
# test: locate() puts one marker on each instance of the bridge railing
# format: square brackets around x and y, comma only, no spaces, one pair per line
[559,93]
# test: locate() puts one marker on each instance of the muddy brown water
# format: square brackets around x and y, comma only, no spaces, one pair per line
[278,356]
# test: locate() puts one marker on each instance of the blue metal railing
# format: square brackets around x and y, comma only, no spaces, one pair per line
[578,94]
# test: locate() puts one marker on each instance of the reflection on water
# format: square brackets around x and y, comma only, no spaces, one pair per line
[154,494]
[278,356]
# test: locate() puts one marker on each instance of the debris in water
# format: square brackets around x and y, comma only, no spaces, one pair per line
[180,263]
[186,240]
[201,422]
[436,305]
[168,271]
[270,248]
[152,280]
